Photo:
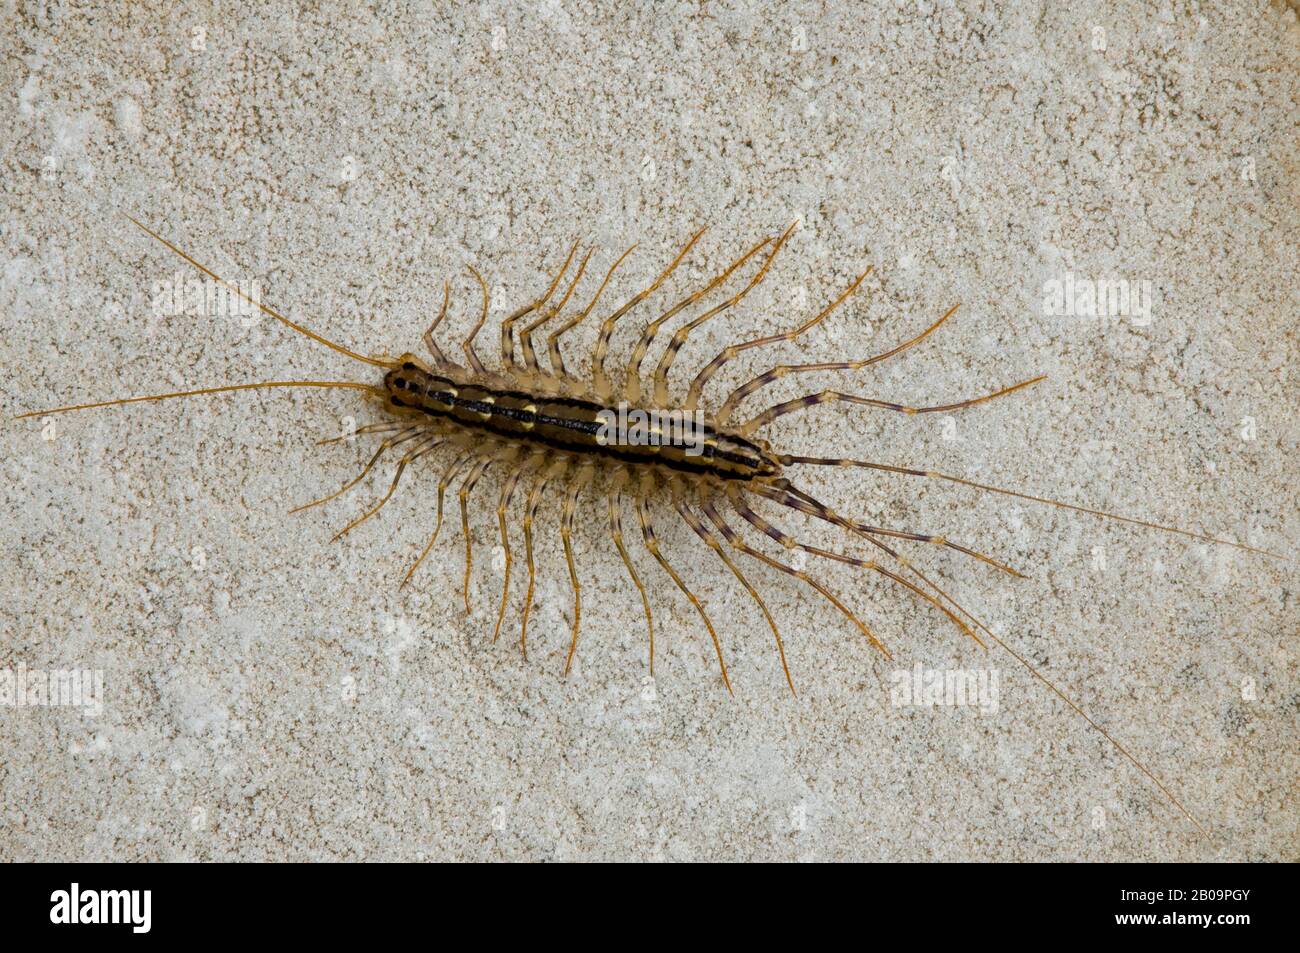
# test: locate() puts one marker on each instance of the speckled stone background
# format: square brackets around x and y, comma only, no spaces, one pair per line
[270,695]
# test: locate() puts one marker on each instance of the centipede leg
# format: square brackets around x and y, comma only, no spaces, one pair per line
[466,488]
[728,353]
[832,396]
[711,541]
[526,335]
[734,399]
[429,342]
[467,345]
[632,382]
[508,325]
[553,341]
[452,469]
[402,464]
[580,479]
[409,433]
[599,378]
[680,336]
[736,542]
[616,530]
[530,514]
[503,503]
[652,544]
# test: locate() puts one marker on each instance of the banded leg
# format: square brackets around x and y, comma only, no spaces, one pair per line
[420,450]
[503,503]
[526,335]
[684,332]
[711,541]
[616,530]
[781,370]
[652,544]
[736,542]
[508,325]
[632,384]
[772,532]
[530,514]
[553,341]
[450,474]
[382,427]
[581,477]
[467,345]
[727,353]
[599,379]
[831,396]
[466,488]
[409,433]
[438,357]
[789,460]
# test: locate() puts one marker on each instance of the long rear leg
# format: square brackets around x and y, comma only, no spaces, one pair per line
[599,379]
[684,332]
[736,542]
[652,544]
[616,530]
[467,487]
[632,384]
[782,370]
[530,514]
[581,477]
[711,541]
[728,353]
[508,325]
[553,341]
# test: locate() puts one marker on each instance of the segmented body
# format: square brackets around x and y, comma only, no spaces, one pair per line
[542,428]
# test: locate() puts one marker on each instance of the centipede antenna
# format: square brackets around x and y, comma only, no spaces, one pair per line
[599,379]
[632,381]
[467,345]
[728,353]
[680,336]
[791,460]
[832,396]
[711,541]
[553,341]
[347,352]
[224,389]
[782,370]
[652,544]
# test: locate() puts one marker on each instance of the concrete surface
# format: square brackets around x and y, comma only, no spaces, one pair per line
[270,695]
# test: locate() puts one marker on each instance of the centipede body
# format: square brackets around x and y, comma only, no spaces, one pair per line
[541,427]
